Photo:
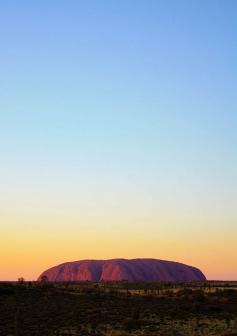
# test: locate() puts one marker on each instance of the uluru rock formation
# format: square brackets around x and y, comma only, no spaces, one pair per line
[123,269]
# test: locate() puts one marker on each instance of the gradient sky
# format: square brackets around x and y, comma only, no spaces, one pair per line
[118,133]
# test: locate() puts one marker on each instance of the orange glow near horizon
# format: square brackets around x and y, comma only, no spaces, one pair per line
[29,249]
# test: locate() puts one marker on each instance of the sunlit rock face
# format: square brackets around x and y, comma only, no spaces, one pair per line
[122,269]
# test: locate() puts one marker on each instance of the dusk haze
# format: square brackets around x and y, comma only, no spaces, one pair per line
[118,139]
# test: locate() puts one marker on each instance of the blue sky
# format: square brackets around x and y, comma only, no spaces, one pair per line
[120,105]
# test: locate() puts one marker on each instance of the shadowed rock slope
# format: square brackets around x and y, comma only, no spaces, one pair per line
[123,269]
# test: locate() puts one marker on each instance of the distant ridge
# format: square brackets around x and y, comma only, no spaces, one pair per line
[147,270]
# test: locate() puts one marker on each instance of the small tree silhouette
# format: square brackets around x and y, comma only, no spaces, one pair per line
[44,279]
[21,280]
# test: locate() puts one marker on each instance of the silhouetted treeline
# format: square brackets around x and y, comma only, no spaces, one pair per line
[120,309]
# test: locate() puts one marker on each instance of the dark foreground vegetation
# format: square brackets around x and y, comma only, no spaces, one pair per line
[118,309]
